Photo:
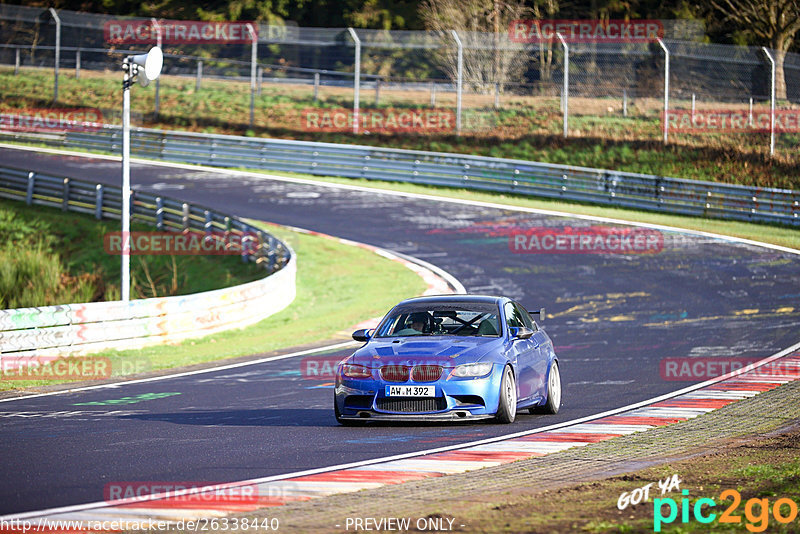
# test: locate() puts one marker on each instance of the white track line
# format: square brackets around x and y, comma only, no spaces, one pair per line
[334,346]
[364,463]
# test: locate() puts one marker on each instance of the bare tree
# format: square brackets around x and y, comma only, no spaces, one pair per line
[545,9]
[489,55]
[775,21]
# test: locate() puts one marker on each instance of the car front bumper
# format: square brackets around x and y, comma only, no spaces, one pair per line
[455,399]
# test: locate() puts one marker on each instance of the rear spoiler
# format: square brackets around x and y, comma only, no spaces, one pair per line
[540,313]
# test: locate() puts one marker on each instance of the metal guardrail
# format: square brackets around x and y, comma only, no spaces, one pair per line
[53,331]
[622,189]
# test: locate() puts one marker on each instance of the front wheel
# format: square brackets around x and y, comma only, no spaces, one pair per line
[553,392]
[507,408]
[343,422]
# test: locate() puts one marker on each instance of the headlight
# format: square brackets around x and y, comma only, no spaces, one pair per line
[473,369]
[356,371]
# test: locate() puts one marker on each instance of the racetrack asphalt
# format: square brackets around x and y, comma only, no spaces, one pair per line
[615,318]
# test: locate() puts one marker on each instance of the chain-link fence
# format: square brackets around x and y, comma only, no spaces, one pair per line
[426,83]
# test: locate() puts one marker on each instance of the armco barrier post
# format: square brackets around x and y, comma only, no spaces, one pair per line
[98,201]
[31,185]
[356,78]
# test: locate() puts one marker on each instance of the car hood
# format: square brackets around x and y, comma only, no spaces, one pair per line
[446,351]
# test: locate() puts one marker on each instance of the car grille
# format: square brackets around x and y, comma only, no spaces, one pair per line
[394,373]
[431,404]
[426,373]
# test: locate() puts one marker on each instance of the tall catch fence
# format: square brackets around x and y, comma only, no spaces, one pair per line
[674,88]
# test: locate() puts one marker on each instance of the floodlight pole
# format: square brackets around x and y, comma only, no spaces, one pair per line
[58,52]
[459,79]
[666,88]
[253,61]
[356,79]
[771,101]
[565,88]
[125,290]
[157,28]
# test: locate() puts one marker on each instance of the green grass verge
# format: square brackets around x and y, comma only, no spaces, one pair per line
[337,287]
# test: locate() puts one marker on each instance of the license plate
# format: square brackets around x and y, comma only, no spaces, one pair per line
[410,391]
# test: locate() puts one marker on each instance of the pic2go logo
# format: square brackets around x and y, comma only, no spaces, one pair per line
[756,511]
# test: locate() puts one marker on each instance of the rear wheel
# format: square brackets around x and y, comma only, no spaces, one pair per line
[553,392]
[507,408]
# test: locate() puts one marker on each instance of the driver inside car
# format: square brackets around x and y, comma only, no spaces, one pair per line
[415,324]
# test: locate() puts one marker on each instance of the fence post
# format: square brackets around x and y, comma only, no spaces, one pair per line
[693,107]
[78,64]
[771,102]
[199,76]
[565,89]
[624,102]
[496,95]
[356,79]
[666,88]
[157,109]
[316,86]
[750,115]
[98,201]
[260,80]
[253,60]
[58,53]
[16,62]
[433,94]
[459,80]
[377,91]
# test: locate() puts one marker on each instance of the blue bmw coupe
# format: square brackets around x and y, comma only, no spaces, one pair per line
[453,357]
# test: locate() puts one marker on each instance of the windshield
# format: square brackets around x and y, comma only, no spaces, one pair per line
[447,319]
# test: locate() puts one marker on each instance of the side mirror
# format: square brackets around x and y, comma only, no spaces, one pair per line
[521,332]
[362,335]
[540,313]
